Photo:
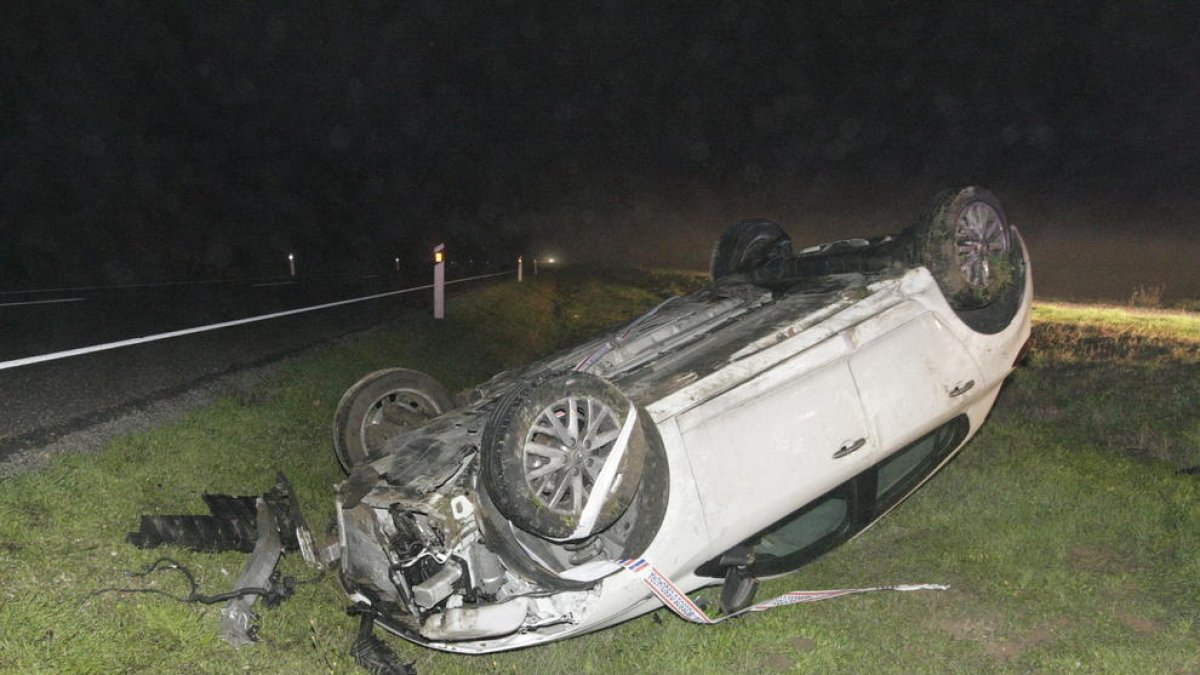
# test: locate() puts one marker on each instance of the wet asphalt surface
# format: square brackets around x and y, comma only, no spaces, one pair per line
[76,403]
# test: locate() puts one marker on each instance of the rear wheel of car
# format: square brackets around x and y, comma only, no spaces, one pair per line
[965,242]
[747,245]
[562,457]
[379,407]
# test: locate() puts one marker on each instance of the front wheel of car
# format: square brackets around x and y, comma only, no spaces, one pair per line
[746,245]
[965,242]
[562,457]
[379,407]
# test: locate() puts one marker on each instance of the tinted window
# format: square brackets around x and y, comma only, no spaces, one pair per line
[901,472]
[794,541]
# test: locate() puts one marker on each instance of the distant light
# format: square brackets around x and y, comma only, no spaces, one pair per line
[550,261]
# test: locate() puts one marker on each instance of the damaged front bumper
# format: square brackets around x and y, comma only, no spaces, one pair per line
[422,566]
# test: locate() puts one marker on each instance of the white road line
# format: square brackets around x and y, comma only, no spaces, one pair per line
[30,360]
[40,302]
[274,283]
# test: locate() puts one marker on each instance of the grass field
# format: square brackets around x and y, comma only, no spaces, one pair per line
[1068,530]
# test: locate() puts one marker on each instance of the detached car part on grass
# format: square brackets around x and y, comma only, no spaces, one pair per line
[732,434]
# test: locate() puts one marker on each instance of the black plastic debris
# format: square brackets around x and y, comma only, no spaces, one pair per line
[374,655]
[263,526]
[358,484]
[231,525]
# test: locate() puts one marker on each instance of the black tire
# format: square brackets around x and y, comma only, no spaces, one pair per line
[965,242]
[747,245]
[379,407]
[536,475]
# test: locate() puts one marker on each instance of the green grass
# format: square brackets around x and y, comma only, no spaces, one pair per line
[1069,536]
[1167,324]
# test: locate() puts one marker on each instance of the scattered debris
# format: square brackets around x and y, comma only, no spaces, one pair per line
[373,654]
[237,619]
[264,526]
[232,525]
[279,590]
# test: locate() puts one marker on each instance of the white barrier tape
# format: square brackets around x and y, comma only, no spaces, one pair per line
[604,481]
[30,360]
[670,595]
[678,601]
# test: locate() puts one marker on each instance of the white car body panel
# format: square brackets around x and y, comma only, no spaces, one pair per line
[796,429]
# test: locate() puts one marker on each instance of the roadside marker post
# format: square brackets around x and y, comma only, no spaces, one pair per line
[439,281]
[520,268]
[535,267]
[292,263]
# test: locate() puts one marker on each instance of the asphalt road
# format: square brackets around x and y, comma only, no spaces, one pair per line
[38,322]
[84,398]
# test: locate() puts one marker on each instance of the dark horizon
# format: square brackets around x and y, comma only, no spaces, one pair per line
[146,142]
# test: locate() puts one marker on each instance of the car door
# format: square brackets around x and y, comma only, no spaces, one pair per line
[912,373]
[839,514]
[770,445]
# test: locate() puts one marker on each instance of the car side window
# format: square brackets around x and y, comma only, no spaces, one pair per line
[897,475]
[805,534]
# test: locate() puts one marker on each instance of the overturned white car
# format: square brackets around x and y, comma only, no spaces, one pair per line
[732,434]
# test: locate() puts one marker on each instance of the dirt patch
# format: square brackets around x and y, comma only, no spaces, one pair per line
[975,629]
[778,663]
[1139,624]
[802,644]
[946,617]
[1002,650]
[1006,649]
[785,659]
[986,630]
[1101,560]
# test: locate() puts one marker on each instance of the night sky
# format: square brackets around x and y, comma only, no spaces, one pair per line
[153,141]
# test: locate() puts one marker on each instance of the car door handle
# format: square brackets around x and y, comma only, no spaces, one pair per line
[849,447]
[962,388]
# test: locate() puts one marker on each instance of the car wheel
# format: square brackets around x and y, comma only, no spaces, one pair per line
[562,457]
[379,407]
[964,241]
[747,245]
